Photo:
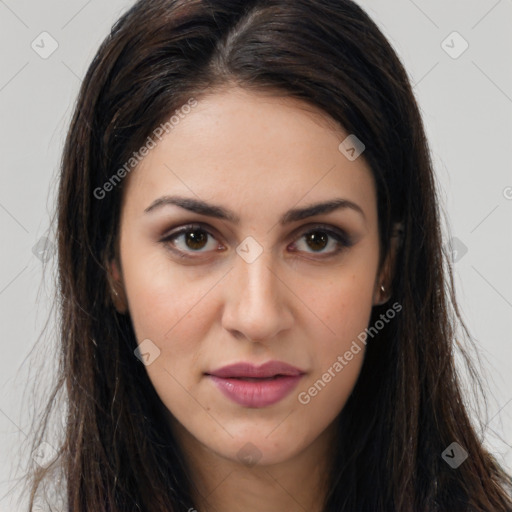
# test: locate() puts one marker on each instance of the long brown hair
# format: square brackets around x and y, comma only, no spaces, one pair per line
[407,406]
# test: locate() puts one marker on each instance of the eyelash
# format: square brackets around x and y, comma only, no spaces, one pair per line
[343,241]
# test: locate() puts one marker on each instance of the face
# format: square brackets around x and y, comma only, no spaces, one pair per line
[264,283]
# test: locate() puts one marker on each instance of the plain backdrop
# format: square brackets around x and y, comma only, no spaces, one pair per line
[458,56]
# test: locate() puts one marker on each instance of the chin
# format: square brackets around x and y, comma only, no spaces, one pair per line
[257,450]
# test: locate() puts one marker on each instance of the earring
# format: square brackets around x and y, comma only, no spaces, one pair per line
[382,289]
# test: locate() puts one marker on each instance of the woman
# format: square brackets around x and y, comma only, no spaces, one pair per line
[256,311]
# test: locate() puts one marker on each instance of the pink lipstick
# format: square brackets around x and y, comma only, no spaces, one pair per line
[256,386]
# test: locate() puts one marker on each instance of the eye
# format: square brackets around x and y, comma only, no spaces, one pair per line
[321,237]
[193,238]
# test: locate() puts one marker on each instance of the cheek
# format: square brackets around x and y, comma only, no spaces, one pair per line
[346,303]
[168,308]
[159,304]
[343,308]
[341,298]
[159,292]
[172,310]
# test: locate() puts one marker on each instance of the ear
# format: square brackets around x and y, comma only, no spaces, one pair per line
[382,291]
[116,289]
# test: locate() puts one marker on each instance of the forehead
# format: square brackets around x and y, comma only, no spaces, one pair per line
[251,150]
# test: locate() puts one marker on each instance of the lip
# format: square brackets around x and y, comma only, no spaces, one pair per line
[275,380]
[248,370]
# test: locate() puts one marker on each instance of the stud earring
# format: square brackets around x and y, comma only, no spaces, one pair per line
[383,290]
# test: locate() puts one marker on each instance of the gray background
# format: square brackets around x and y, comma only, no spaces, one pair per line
[467,108]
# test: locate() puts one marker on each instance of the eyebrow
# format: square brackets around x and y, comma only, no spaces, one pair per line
[219,212]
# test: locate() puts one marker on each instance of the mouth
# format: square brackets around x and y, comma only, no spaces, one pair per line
[256,387]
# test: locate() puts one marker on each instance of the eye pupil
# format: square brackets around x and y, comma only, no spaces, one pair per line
[191,236]
[315,238]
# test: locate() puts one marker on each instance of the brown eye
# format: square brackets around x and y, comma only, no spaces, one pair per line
[196,239]
[320,238]
[190,239]
[317,240]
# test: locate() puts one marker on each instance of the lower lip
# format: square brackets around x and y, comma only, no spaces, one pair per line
[259,393]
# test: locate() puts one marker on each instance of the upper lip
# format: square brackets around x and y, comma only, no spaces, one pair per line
[269,369]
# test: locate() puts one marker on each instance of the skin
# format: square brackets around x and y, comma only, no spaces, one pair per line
[258,155]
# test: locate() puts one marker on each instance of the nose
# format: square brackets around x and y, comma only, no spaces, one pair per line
[258,300]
